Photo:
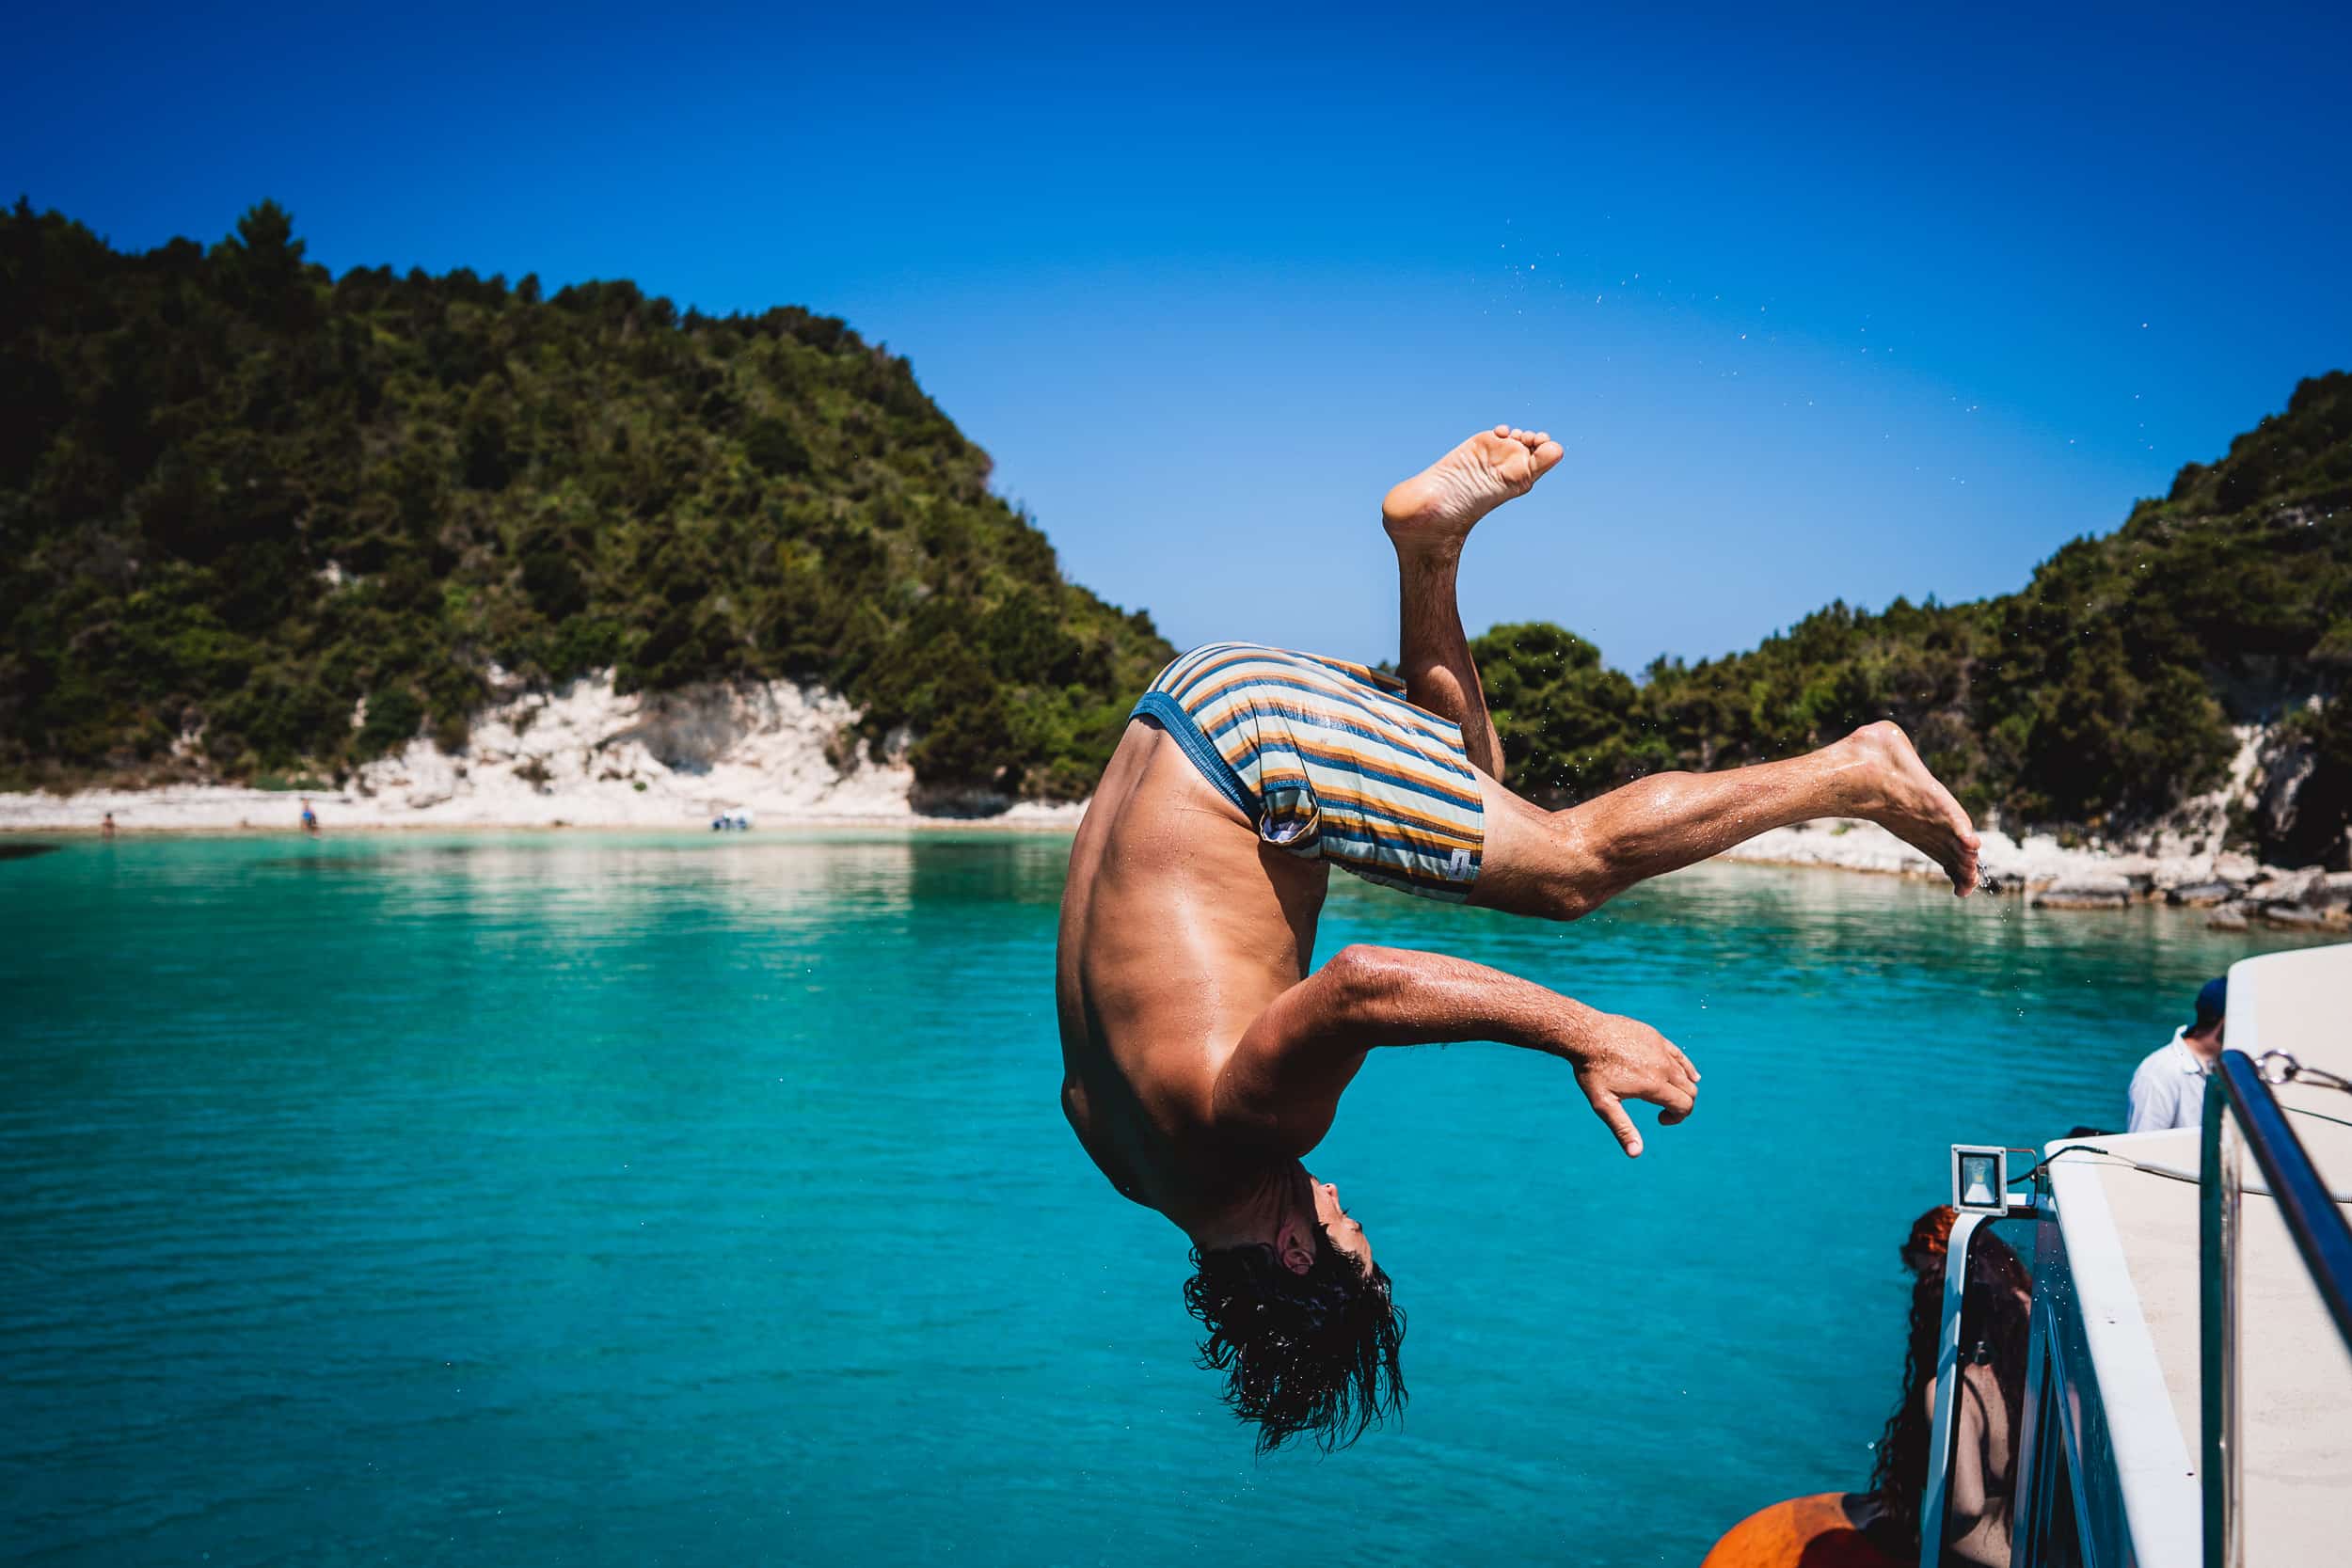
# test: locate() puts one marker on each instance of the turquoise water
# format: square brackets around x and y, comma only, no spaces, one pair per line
[587,1200]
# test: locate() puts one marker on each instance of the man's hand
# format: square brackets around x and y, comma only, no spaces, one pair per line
[1618,1060]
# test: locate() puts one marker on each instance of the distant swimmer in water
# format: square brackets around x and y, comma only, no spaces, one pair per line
[309,817]
[1201,1061]
[106,829]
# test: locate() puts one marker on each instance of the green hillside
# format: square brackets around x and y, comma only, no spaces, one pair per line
[2097,697]
[237,496]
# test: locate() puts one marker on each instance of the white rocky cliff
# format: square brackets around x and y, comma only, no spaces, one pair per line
[582,757]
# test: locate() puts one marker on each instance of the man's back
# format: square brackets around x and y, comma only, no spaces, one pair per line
[2168,1088]
[1177,930]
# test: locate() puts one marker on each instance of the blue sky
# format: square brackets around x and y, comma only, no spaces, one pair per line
[1864,303]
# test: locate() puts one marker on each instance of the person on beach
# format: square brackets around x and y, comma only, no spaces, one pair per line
[309,817]
[2169,1086]
[107,828]
[1202,1061]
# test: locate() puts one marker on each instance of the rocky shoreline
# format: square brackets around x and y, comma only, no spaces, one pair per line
[2179,861]
[2236,889]
[583,756]
[782,755]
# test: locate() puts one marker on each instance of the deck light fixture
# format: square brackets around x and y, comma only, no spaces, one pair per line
[1980,1178]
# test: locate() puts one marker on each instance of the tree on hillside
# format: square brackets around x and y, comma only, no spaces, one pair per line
[2099,696]
[1568,724]
[239,496]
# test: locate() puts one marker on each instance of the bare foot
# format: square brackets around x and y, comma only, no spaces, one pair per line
[1907,801]
[1436,507]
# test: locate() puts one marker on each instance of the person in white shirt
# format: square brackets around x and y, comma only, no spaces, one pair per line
[2168,1090]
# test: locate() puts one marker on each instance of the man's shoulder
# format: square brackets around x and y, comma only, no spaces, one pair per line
[2156,1078]
[2155,1092]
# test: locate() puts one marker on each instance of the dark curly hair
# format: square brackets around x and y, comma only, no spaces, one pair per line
[1309,1352]
[1994,1328]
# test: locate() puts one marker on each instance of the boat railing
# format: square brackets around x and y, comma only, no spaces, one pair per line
[2242,1115]
[1956,1252]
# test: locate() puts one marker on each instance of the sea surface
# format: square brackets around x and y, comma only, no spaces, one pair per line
[582,1199]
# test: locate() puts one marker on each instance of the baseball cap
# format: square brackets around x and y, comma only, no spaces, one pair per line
[2213,1002]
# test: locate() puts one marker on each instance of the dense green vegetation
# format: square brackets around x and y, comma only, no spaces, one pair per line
[2098,696]
[238,496]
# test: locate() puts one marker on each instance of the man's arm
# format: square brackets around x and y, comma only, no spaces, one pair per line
[1283,1080]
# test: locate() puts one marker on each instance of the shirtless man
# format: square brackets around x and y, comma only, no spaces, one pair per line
[1201,1061]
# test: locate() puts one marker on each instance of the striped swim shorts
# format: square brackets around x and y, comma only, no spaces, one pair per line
[1331,761]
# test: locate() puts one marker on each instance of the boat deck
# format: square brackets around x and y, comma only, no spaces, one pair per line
[2130,1208]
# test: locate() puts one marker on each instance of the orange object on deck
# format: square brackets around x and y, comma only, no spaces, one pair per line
[1803,1532]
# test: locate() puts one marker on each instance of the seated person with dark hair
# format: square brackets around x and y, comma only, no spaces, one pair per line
[1201,1062]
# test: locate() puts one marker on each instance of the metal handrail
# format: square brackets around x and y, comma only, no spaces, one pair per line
[1946,1389]
[2239,1106]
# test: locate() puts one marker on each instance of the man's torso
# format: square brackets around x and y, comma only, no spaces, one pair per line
[1177,929]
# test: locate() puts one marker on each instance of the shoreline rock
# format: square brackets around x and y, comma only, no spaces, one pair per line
[582,757]
[2048,875]
[2084,890]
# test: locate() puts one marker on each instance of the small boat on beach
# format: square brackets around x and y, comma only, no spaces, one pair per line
[2188,1385]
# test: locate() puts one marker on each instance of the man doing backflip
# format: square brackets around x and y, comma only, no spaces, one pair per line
[1201,1061]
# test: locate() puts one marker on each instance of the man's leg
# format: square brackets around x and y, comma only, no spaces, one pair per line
[1434,655]
[1563,865]
[1428,517]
